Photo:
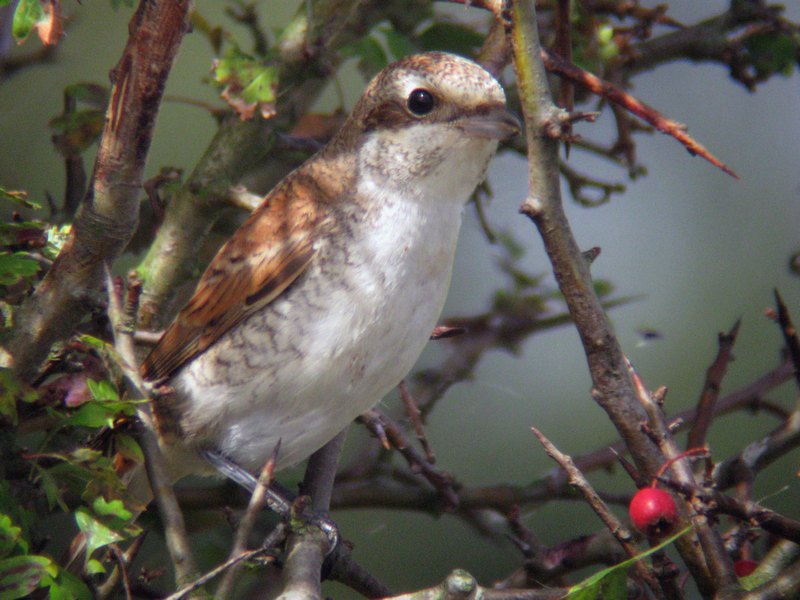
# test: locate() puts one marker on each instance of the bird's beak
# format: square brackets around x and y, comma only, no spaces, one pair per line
[494,122]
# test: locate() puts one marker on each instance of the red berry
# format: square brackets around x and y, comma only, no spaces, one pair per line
[743,567]
[653,512]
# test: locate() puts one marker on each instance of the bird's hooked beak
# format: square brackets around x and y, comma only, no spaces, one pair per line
[494,122]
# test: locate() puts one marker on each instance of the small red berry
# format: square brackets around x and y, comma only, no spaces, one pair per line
[743,567]
[653,512]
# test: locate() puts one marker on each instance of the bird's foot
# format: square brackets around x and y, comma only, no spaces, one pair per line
[302,515]
[296,509]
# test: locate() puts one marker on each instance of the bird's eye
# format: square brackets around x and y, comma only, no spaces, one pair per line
[420,102]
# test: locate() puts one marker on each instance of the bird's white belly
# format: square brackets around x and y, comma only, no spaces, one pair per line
[324,353]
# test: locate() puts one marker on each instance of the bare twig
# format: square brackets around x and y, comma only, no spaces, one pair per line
[122,565]
[714,565]
[413,414]
[711,388]
[563,47]
[308,544]
[752,512]
[787,585]
[493,55]
[201,581]
[613,384]
[617,529]
[257,501]
[306,549]
[543,205]
[440,480]
[784,319]
[155,465]
[617,95]
[124,559]
[756,455]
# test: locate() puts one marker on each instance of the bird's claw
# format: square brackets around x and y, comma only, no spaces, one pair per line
[303,515]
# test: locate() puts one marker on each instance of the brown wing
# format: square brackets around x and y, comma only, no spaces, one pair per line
[265,255]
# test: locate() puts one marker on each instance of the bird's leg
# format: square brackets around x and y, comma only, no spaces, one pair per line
[279,499]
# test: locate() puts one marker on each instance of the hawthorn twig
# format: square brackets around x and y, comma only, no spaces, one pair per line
[215,572]
[704,414]
[376,419]
[309,545]
[413,414]
[617,95]
[716,566]
[784,319]
[756,455]
[157,471]
[257,501]
[748,511]
[617,529]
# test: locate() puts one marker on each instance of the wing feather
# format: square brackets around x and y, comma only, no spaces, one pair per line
[271,249]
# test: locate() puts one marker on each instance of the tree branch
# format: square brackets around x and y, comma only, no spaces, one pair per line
[109,213]
[613,385]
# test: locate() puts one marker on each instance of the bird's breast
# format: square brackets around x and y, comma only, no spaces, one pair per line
[336,342]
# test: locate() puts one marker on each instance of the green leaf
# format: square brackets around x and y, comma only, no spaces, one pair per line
[92,414]
[28,234]
[21,575]
[68,587]
[113,508]
[87,473]
[92,94]
[94,567]
[16,267]
[10,537]
[20,516]
[772,53]
[76,131]
[92,341]
[18,197]
[51,490]
[28,13]
[370,54]
[261,87]
[128,447]
[103,390]
[612,580]
[104,407]
[450,37]
[399,45]
[607,47]
[56,237]
[12,390]
[248,83]
[97,534]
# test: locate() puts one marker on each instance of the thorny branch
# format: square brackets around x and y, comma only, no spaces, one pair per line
[617,529]
[109,213]
[711,388]
[157,473]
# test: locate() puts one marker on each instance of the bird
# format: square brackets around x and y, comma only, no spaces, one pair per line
[324,298]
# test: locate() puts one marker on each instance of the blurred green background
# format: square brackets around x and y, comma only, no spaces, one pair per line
[699,248]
